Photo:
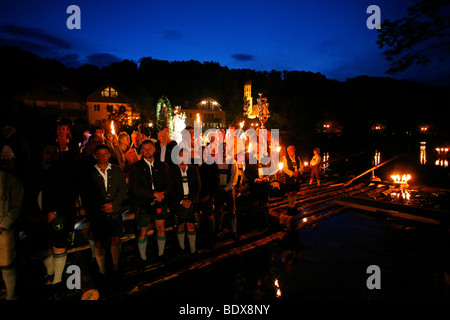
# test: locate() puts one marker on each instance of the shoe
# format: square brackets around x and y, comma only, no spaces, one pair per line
[116,277]
[220,234]
[211,241]
[163,260]
[58,291]
[48,279]
[140,265]
[193,256]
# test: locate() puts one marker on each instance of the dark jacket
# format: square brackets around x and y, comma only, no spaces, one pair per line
[168,154]
[176,189]
[258,191]
[209,177]
[58,189]
[140,182]
[94,194]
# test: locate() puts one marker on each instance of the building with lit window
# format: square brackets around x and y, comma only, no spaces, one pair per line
[107,101]
[210,113]
[55,100]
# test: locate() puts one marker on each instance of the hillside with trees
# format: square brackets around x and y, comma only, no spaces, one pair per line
[298,100]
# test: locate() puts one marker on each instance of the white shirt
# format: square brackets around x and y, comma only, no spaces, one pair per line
[104,174]
[286,169]
[185,184]
[150,165]
[316,159]
[163,153]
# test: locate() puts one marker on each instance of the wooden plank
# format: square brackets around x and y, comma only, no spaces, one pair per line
[426,215]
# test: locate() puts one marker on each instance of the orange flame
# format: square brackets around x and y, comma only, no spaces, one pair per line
[403,179]
[112,128]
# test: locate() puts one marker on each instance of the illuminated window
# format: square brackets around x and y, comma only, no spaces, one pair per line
[109,92]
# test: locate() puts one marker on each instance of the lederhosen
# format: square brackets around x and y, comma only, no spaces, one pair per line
[48,196]
[227,196]
[152,210]
[292,183]
[182,214]
[209,177]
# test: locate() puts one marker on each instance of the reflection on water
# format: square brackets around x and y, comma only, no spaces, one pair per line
[326,165]
[403,195]
[423,152]
[442,152]
[442,162]
[377,158]
[441,155]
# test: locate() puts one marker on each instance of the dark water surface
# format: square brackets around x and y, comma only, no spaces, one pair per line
[328,262]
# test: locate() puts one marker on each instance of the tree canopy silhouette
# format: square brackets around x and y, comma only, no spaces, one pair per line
[421,37]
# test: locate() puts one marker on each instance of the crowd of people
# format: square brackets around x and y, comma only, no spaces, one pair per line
[92,179]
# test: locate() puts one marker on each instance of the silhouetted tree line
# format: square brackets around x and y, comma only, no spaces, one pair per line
[298,99]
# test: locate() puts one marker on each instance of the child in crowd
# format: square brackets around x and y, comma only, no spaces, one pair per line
[315,164]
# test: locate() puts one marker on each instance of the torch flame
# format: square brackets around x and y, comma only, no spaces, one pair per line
[280,166]
[241,124]
[402,180]
[112,128]
[198,117]
[277,286]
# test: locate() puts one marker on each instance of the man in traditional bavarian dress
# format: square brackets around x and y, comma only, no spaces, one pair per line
[11,201]
[293,169]
[103,192]
[50,214]
[258,185]
[226,195]
[149,187]
[209,179]
[185,189]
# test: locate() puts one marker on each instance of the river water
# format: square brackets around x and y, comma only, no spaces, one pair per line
[330,262]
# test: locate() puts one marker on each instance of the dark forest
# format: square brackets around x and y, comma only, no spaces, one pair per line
[299,101]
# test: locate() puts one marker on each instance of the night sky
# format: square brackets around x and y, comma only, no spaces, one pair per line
[330,37]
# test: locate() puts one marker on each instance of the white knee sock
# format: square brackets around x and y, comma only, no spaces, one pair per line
[161,240]
[9,277]
[142,246]
[180,237]
[191,237]
[48,263]
[59,263]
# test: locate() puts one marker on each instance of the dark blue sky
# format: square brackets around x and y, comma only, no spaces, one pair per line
[323,36]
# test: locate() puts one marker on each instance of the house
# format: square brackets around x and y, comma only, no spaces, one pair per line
[56,100]
[108,102]
[210,113]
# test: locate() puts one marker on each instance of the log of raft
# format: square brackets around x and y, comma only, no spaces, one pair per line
[308,196]
[138,288]
[371,169]
[396,210]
